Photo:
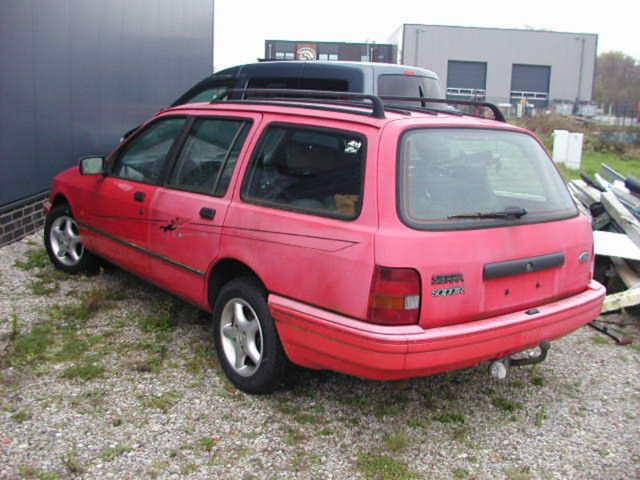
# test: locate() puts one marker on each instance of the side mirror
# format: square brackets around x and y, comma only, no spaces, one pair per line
[92,165]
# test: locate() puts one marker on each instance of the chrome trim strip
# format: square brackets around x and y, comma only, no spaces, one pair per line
[141,249]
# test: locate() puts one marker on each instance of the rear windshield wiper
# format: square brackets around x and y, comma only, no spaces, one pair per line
[511,212]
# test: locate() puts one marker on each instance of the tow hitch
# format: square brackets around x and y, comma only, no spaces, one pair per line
[499,369]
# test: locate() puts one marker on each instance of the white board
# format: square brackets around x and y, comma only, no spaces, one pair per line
[612,244]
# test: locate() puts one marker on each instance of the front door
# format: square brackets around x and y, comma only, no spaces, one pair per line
[189,210]
[119,215]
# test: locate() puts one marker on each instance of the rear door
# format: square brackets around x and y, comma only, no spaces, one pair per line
[471,267]
[119,213]
[191,207]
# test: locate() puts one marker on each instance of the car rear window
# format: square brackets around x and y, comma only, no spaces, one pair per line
[447,173]
[408,86]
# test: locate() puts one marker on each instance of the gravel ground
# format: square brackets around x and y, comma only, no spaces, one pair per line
[108,377]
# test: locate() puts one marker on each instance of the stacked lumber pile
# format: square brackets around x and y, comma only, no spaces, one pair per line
[613,202]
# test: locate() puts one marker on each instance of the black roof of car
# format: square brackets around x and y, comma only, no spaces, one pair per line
[295,69]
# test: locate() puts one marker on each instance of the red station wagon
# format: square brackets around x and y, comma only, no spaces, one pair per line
[381,241]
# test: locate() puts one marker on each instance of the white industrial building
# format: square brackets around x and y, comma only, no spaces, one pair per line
[503,65]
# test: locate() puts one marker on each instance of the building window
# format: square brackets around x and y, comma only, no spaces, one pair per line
[333,56]
[289,56]
[279,56]
[323,56]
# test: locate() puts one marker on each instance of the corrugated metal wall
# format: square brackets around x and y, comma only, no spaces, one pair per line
[76,74]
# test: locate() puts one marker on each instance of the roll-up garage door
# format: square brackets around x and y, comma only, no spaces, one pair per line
[466,79]
[530,82]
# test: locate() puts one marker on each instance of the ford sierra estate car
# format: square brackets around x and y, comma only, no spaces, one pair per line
[342,233]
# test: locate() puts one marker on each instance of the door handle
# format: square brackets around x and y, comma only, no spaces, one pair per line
[208,213]
[138,196]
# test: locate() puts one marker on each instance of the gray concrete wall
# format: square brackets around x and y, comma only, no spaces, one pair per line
[76,74]
[431,47]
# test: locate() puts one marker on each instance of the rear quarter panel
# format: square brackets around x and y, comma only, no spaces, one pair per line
[316,260]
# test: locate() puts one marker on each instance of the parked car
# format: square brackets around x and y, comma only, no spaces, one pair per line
[374,78]
[377,241]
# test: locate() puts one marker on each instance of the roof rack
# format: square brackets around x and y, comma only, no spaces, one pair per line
[377,108]
[350,99]
[497,113]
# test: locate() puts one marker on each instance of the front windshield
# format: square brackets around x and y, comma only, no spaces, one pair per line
[448,174]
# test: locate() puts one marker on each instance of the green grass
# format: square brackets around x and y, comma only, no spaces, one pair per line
[305,419]
[84,371]
[506,405]
[450,417]
[31,347]
[397,441]
[110,453]
[591,164]
[207,443]
[294,437]
[538,381]
[383,467]
[27,471]
[460,473]
[599,340]
[20,416]
[71,461]
[35,259]
[541,416]
[162,402]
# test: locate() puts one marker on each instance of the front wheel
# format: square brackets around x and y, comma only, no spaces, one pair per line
[245,336]
[63,244]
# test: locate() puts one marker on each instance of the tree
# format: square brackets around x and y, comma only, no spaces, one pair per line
[617,79]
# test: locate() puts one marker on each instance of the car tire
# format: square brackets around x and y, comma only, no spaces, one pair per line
[246,339]
[63,243]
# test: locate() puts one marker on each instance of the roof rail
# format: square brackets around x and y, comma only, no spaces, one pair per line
[497,113]
[376,104]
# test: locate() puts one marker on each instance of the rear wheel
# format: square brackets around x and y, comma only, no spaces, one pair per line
[63,244]
[245,336]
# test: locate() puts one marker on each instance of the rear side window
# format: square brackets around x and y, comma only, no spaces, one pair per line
[315,171]
[408,86]
[274,82]
[325,84]
[447,175]
[208,155]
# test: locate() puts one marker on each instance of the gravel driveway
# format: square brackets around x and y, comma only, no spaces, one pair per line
[108,377]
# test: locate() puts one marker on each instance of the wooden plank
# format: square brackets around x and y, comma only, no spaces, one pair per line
[602,182]
[628,275]
[592,193]
[622,216]
[617,301]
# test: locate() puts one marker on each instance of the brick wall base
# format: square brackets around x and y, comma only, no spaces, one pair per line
[21,218]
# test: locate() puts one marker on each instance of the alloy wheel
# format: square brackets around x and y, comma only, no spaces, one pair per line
[241,336]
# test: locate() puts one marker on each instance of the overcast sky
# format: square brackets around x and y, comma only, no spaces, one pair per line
[241,27]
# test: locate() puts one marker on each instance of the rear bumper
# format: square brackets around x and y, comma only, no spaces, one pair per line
[316,338]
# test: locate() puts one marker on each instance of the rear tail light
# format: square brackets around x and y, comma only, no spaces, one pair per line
[394,297]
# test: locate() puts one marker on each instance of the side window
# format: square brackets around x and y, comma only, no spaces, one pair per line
[211,147]
[273,82]
[210,93]
[315,171]
[142,159]
[325,84]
